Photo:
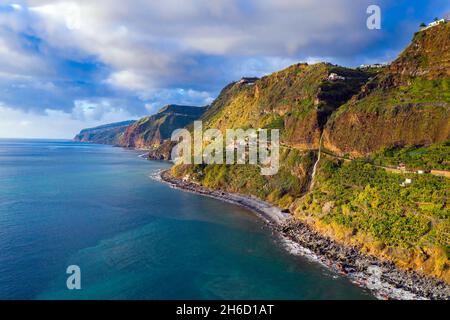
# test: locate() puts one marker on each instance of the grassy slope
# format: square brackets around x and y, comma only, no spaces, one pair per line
[281,189]
[355,203]
[436,156]
[296,100]
[360,204]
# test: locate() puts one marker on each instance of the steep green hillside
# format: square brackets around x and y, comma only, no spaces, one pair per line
[406,104]
[289,183]
[400,114]
[150,131]
[435,156]
[360,204]
[297,100]
[397,114]
[106,134]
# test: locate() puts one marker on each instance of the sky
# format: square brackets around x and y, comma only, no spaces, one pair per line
[68,65]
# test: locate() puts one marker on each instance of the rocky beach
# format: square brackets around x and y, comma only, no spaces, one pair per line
[383,278]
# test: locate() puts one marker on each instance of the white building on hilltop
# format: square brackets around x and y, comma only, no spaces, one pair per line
[435,23]
[334,76]
[374,66]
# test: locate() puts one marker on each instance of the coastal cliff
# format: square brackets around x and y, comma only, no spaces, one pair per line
[385,118]
[106,134]
[147,133]
[408,103]
[151,131]
[382,131]
[297,100]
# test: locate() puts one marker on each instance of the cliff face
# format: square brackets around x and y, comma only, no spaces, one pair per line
[106,134]
[297,100]
[152,130]
[408,103]
[359,113]
[147,132]
[356,203]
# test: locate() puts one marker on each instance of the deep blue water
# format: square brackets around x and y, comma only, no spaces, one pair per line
[64,203]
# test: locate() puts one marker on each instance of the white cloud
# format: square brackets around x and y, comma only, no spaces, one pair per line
[151,53]
[102,110]
[16,61]
[16,123]
[151,43]
[67,13]
[131,80]
[161,97]
[16,6]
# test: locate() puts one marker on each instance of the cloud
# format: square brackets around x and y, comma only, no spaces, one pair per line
[130,80]
[154,44]
[16,6]
[16,123]
[16,60]
[77,56]
[181,96]
[102,110]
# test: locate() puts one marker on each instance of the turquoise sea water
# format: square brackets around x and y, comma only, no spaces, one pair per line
[65,203]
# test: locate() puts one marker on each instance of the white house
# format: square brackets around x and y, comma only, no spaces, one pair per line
[406,182]
[435,23]
[334,76]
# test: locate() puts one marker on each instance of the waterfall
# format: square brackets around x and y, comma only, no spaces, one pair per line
[311,186]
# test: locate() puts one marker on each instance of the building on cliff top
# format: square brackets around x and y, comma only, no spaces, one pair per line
[375,65]
[436,23]
[334,77]
[248,80]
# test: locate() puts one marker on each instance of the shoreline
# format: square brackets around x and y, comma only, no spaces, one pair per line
[383,279]
[269,213]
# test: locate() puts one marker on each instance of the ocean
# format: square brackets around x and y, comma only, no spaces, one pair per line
[65,203]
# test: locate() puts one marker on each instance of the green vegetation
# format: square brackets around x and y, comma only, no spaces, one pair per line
[152,130]
[436,156]
[281,189]
[297,99]
[433,94]
[360,197]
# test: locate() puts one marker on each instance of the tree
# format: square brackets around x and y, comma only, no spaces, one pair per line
[423,25]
